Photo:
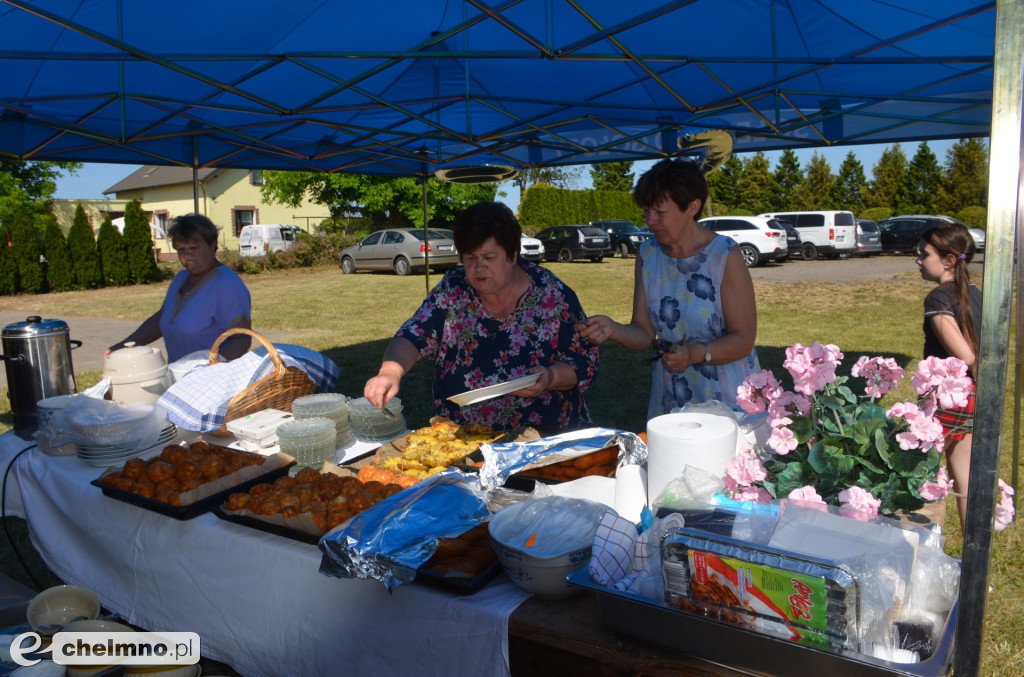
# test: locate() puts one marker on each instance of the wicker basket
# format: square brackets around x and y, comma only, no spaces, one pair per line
[276,390]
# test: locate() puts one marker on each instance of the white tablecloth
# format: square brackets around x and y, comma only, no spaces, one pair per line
[257,600]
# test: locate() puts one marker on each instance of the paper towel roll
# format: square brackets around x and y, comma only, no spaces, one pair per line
[630,492]
[674,441]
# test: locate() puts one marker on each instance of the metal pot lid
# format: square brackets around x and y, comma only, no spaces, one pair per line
[35,326]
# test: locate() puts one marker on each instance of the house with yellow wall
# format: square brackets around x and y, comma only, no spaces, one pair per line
[231,198]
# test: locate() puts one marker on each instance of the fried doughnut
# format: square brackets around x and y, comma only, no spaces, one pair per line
[168,496]
[361,502]
[237,501]
[121,482]
[372,487]
[390,490]
[319,520]
[450,547]
[336,517]
[306,475]
[278,492]
[197,450]
[134,468]
[303,492]
[326,479]
[212,466]
[350,486]
[266,506]
[339,501]
[189,485]
[173,453]
[285,481]
[145,488]
[285,500]
[169,484]
[252,459]
[187,470]
[290,511]
[158,471]
[260,490]
[313,507]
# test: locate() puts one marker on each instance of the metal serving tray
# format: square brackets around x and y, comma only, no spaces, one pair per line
[654,622]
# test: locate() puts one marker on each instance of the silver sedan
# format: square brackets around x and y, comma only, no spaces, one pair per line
[400,249]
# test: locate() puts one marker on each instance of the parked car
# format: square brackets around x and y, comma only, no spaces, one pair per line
[830,233]
[400,249]
[868,240]
[900,234]
[625,236]
[566,243]
[261,238]
[531,249]
[760,239]
[792,236]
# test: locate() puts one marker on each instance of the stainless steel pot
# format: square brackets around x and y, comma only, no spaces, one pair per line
[37,354]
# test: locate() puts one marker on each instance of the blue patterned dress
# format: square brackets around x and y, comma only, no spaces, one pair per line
[684,302]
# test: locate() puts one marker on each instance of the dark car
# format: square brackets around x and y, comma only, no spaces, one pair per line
[565,243]
[792,236]
[625,236]
[900,234]
[868,239]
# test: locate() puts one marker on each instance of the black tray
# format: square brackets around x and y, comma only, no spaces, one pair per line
[651,621]
[276,529]
[187,512]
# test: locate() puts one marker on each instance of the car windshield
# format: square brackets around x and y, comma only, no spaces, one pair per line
[623,226]
[868,226]
[591,231]
[434,235]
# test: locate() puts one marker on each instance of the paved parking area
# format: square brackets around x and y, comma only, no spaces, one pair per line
[853,269]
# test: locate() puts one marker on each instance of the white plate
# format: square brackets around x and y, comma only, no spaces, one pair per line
[496,390]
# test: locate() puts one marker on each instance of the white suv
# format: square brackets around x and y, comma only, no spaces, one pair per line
[831,233]
[531,249]
[760,239]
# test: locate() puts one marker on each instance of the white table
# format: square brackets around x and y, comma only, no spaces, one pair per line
[257,601]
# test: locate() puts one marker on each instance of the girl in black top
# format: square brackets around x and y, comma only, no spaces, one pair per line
[952,317]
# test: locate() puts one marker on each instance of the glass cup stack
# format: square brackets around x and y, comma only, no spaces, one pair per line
[326,405]
[311,441]
[370,424]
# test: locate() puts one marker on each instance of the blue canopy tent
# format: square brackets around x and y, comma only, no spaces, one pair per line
[410,88]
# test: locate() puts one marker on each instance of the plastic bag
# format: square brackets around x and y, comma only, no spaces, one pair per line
[695,488]
[550,526]
[101,422]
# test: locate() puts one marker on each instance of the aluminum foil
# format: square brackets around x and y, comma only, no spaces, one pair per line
[392,539]
[502,460]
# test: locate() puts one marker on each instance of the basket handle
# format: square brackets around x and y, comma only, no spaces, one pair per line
[279,368]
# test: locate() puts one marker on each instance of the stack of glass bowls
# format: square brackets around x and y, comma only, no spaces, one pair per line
[326,405]
[370,424]
[311,441]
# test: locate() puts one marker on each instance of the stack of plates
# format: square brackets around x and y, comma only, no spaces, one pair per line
[326,405]
[370,424]
[103,455]
[311,441]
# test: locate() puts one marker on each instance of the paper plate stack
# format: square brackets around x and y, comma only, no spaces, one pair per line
[311,441]
[326,405]
[370,424]
[103,455]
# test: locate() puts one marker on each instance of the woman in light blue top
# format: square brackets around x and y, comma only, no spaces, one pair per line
[693,298]
[203,301]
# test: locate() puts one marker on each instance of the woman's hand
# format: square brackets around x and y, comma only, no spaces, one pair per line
[540,386]
[681,356]
[597,329]
[381,388]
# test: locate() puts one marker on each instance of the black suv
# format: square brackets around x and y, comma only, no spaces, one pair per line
[900,234]
[565,243]
[625,236]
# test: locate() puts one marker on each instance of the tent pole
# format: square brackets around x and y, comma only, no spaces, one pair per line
[195,175]
[1003,179]
[1018,367]
[426,239]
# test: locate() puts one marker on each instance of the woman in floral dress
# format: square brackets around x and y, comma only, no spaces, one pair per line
[492,320]
[692,297]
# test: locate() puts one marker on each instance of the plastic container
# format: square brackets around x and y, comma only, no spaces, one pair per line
[260,429]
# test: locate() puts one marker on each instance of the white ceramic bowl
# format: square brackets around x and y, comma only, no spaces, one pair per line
[543,575]
[56,607]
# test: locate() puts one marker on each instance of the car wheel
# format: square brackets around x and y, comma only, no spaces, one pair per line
[402,266]
[597,259]
[623,250]
[808,252]
[348,266]
[564,255]
[750,255]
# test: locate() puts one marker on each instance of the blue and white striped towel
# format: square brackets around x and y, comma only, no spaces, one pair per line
[199,401]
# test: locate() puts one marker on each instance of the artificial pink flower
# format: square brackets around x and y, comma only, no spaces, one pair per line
[782,441]
[812,367]
[754,494]
[1004,509]
[860,499]
[757,391]
[935,491]
[932,370]
[953,392]
[806,494]
[789,403]
[744,469]
[881,373]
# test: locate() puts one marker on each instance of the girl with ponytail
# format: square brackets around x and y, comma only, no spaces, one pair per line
[952,318]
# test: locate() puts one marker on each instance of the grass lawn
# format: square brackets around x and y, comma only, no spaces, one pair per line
[352,317]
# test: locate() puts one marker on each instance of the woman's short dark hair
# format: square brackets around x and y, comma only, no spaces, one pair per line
[483,221]
[192,227]
[682,181]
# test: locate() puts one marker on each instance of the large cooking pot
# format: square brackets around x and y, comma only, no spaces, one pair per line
[37,355]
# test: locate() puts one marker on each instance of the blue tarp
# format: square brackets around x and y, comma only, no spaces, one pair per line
[410,86]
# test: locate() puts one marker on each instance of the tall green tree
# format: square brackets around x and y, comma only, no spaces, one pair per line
[817,188]
[559,177]
[923,180]
[966,175]
[82,246]
[138,243]
[59,275]
[8,268]
[28,252]
[849,185]
[887,188]
[612,176]
[26,186]
[723,186]
[113,256]
[757,188]
[788,177]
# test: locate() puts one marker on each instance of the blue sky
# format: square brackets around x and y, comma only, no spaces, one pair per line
[93,179]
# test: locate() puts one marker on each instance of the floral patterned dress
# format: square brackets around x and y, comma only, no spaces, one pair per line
[470,349]
[684,302]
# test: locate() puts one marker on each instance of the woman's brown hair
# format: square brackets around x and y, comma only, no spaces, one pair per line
[955,239]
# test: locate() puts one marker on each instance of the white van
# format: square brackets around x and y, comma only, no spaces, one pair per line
[258,239]
[832,234]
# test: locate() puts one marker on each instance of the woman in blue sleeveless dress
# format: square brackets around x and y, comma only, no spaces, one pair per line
[693,298]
